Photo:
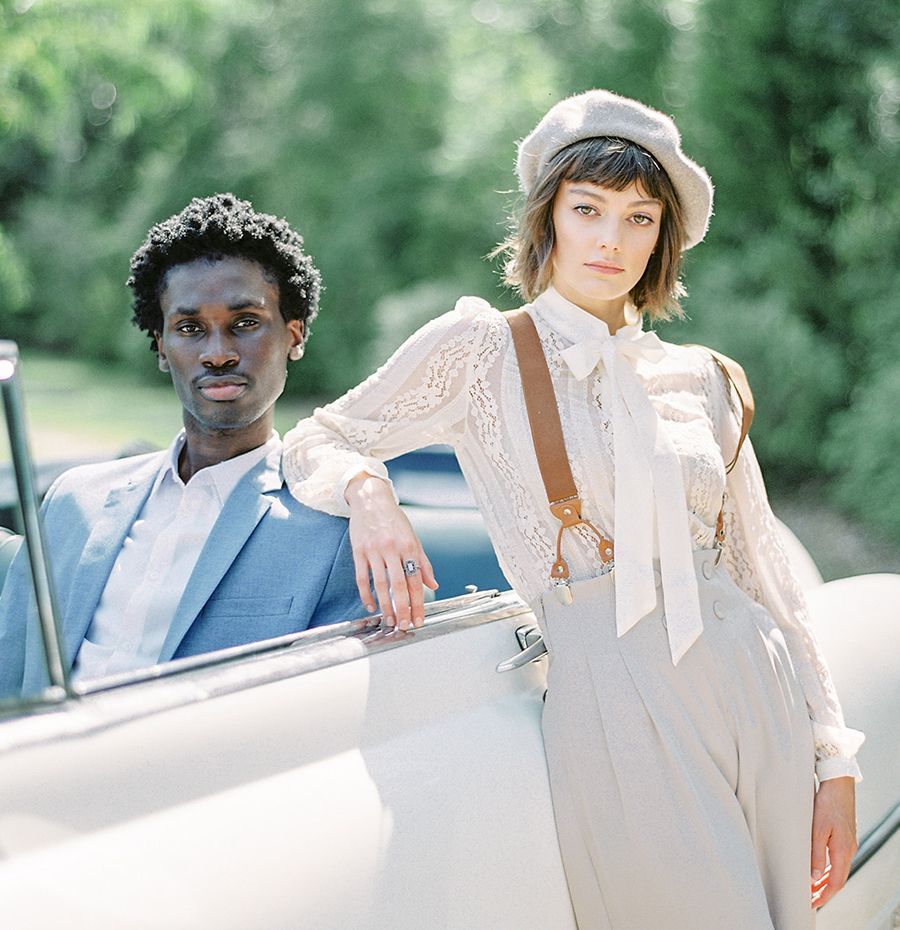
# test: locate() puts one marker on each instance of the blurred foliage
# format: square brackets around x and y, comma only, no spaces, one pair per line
[384,129]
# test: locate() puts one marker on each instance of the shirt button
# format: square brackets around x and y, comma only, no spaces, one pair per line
[153,576]
[719,609]
[708,569]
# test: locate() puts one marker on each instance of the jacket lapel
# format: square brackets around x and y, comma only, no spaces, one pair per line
[247,504]
[123,504]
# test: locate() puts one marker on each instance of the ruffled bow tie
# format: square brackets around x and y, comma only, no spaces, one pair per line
[649,489]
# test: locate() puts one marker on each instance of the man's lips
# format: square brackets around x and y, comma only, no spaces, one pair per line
[605,268]
[222,388]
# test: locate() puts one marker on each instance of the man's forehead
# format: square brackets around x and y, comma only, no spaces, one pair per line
[232,281]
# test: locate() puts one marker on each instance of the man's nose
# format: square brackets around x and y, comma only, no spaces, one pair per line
[219,352]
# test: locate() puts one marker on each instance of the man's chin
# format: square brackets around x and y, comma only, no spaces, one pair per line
[223,419]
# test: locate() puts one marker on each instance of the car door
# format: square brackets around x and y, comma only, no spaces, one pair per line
[338,778]
[341,777]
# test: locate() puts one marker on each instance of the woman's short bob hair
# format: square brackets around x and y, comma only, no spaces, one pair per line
[613,163]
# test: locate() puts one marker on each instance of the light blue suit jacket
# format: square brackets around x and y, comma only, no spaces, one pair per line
[269,566]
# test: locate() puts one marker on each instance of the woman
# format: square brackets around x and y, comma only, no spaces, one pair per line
[687,701]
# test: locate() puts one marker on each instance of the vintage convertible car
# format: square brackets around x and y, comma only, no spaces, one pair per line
[348,777]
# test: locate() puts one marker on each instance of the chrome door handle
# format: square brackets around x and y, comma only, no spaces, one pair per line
[533,648]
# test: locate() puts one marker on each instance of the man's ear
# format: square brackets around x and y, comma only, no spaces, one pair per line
[161,356]
[295,328]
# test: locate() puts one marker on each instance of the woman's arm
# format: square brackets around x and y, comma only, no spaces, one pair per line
[759,565]
[757,561]
[334,460]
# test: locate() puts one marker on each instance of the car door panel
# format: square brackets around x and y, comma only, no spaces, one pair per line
[401,788]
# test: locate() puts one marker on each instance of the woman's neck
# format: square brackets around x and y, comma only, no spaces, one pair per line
[611,312]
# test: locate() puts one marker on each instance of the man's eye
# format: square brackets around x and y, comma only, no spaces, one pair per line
[248,323]
[189,329]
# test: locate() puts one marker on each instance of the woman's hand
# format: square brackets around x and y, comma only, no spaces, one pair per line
[382,539]
[834,829]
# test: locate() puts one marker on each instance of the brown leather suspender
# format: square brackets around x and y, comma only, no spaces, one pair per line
[549,443]
[734,376]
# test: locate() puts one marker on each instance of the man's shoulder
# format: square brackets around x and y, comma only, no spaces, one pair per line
[101,477]
[300,514]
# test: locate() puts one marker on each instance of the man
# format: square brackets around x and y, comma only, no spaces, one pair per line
[201,546]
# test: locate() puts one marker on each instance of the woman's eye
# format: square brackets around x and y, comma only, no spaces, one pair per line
[585,209]
[642,219]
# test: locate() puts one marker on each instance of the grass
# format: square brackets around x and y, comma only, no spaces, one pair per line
[80,410]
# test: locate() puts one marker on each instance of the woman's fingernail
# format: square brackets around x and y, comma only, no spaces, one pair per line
[370,608]
[816,875]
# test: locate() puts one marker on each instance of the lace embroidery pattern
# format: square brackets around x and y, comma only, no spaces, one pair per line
[456,380]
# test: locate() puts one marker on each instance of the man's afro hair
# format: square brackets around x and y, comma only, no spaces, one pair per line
[215,227]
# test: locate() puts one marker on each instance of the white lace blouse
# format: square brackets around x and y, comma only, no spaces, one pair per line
[456,381]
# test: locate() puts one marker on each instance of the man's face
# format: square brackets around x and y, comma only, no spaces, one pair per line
[225,342]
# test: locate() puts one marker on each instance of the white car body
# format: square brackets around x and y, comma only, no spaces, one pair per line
[351,779]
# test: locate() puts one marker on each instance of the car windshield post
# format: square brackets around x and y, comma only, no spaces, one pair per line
[30,515]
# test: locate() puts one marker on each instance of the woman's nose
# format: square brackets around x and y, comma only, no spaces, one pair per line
[609,237]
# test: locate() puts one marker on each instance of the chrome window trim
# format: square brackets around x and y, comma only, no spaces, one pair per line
[107,702]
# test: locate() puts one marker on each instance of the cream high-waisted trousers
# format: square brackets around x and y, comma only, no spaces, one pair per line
[683,794]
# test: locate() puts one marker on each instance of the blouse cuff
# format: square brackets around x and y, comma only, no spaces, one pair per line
[370,467]
[836,749]
[837,768]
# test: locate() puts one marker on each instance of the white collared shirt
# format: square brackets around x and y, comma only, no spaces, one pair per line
[456,381]
[156,560]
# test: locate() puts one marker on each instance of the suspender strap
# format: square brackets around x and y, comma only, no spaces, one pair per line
[549,443]
[736,377]
[550,446]
[543,413]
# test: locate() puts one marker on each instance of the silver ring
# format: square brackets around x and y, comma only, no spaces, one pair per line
[410,566]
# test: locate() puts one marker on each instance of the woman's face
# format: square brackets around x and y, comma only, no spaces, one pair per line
[604,239]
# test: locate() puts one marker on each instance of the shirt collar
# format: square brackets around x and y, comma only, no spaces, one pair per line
[575,324]
[223,478]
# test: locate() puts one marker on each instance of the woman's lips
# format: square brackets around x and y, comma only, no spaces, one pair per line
[605,269]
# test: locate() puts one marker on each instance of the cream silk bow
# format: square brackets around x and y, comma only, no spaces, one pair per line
[648,484]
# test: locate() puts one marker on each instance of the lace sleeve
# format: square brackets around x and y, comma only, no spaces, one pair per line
[416,398]
[756,560]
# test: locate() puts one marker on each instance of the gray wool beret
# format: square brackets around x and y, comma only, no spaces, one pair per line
[601,113]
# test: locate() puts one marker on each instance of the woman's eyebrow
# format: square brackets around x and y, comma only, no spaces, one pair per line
[585,192]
